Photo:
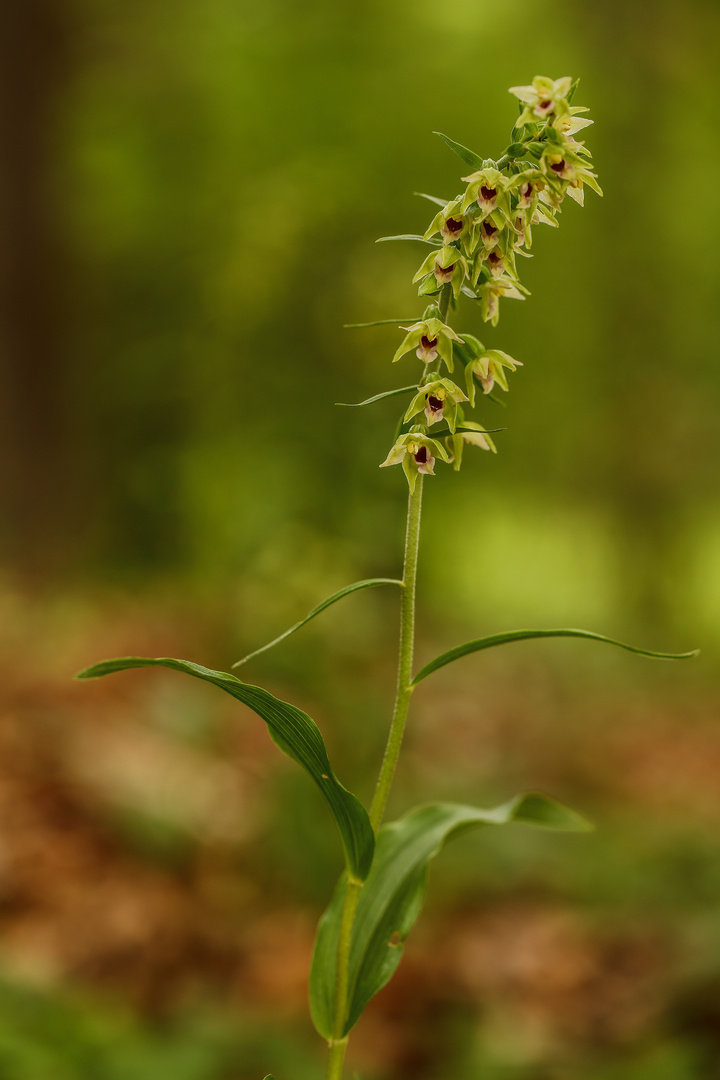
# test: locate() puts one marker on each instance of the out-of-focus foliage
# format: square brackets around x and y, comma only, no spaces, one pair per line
[223,170]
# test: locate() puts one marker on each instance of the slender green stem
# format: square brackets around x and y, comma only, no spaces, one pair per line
[407,641]
[444,302]
[339,1040]
[336,1058]
[337,1045]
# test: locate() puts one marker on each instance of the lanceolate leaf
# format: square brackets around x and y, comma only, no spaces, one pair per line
[393,893]
[370,583]
[377,397]
[296,735]
[467,156]
[522,635]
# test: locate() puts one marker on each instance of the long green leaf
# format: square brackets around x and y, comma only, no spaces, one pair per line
[393,894]
[467,156]
[370,583]
[523,635]
[296,735]
[377,397]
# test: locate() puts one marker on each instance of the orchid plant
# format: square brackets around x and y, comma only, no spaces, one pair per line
[475,241]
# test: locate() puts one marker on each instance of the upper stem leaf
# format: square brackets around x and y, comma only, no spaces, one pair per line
[522,635]
[369,583]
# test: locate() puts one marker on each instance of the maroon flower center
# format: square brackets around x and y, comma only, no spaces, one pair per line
[559,166]
[428,343]
[526,190]
[545,104]
[494,258]
[421,455]
[488,193]
[454,225]
[489,229]
[435,403]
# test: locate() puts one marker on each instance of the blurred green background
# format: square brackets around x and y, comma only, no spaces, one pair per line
[190,198]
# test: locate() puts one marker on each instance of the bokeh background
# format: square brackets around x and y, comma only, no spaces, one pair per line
[190,197]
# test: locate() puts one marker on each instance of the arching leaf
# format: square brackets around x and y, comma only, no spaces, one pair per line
[392,896]
[523,635]
[296,735]
[369,583]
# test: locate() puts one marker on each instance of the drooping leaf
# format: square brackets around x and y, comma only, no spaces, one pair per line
[467,156]
[393,893]
[409,236]
[432,198]
[523,635]
[296,735]
[370,583]
[377,397]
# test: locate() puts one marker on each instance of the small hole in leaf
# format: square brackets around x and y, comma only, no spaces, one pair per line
[395,940]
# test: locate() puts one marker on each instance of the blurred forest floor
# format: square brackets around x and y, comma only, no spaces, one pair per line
[154,922]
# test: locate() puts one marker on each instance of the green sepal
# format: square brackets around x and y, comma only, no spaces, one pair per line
[523,635]
[296,735]
[392,896]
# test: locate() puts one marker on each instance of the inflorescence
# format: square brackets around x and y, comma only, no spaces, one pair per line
[476,239]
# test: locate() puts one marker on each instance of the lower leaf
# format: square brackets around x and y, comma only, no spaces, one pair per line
[293,731]
[393,894]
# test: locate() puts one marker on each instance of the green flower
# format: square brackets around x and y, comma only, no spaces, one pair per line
[446,266]
[543,98]
[488,369]
[489,187]
[472,433]
[489,291]
[451,223]
[416,453]
[439,400]
[428,338]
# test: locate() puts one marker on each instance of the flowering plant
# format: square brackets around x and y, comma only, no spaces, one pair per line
[475,241]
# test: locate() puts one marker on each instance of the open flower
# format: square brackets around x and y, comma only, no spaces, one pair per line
[451,223]
[489,188]
[543,98]
[416,453]
[488,369]
[428,338]
[472,433]
[490,290]
[443,267]
[438,400]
